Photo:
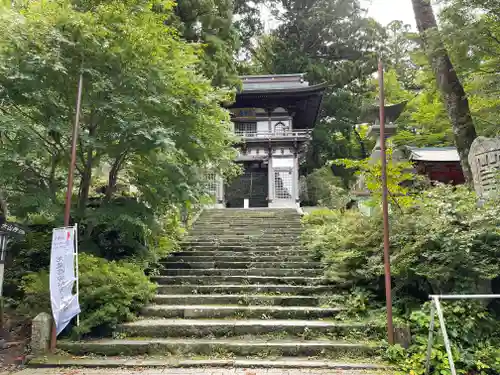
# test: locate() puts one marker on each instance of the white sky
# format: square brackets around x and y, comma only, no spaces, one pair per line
[385,11]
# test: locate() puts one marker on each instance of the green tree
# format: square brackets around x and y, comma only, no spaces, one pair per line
[471,30]
[450,86]
[399,47]
[220,27]
[148,119]
[333,42]
[424,122]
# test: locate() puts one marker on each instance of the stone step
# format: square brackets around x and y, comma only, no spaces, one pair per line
[283,221]
[241,312]
[254,327]
[257,254]
[206,280]
[216,346]
[242,272]
[254,226]
[270,228]
[173,362]
[238,242]
[291,219]
[273,217]
[246,289]
[220,228]
[230,257]
[257,227]
[255,245]
[237,299]
[252,244]
[286,243]
[243,249]
[271,237]
[260,348]
[251,212]
[242,233]
[175,264]
[252,221]
[248,214]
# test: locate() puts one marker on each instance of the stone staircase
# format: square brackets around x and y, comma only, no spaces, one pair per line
[242,288]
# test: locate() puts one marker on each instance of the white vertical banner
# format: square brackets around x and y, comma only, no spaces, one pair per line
[65,305]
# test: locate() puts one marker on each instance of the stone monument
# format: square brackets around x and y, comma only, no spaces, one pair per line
[484,159]
[40,333]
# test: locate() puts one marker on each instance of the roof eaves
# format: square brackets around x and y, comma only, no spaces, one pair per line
[312,89]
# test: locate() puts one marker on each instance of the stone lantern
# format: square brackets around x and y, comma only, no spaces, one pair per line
[371,116]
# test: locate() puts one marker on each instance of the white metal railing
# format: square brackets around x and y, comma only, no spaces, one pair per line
[280,134]
[436,307]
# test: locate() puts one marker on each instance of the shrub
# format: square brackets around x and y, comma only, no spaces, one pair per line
[443,243]
[322,188]
[28,255]
[447,243]
[474,334]
[110,293]
[123,228]
[347,244]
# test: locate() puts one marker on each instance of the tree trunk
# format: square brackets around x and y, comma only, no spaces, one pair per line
[85,183]
[55,158]
[3,208]
[448,82]
[113,174]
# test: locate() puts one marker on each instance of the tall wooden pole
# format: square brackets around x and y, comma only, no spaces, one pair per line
[71,172]
[385,208]
[69,191]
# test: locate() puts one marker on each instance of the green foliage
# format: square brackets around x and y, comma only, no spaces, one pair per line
[35,288]
[332,42]
[401,44]
[370,176]
[449,241]
[324,189]
[151,126]
[424,122]
[473,332]
[359,304]
[349,248]
[110,293]
[148,118]
[319,217]
[471,32]
[444,243]
[28,255]
[123,229]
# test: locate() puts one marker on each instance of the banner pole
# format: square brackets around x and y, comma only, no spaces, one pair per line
[385,209]
[69,191]
[77,275]
[3,247]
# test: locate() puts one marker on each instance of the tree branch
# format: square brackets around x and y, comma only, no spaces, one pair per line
[113,173]
[492,36]
[47,143]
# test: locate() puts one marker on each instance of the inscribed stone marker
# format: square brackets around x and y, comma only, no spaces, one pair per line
[484,159]
[40,333]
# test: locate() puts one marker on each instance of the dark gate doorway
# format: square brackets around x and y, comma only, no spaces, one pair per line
[252,185]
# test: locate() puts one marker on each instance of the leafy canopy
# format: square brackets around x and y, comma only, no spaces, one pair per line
[148,118]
